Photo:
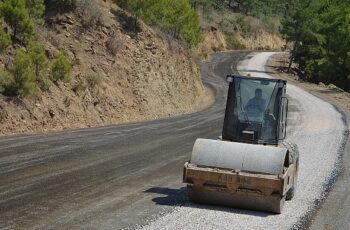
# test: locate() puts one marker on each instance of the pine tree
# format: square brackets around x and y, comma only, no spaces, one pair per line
[24,76]
[16,16]
[5,39]
[40,64]
[36,10]
[61,69]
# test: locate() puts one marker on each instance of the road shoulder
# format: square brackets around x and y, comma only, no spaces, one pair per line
[334,211]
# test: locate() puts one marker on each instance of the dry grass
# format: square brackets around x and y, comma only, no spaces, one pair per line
[114,45]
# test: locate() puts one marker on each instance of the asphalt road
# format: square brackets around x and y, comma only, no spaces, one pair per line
[105,178]
[127,176]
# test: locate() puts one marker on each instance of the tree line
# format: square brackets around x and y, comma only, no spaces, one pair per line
[255,8]
[176,18]
[320,33]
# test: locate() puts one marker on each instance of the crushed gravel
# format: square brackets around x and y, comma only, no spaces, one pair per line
[318,130]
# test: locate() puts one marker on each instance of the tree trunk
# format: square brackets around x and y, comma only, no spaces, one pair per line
[295,47]
[37,71]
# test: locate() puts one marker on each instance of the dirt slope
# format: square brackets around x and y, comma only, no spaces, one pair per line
[117,77]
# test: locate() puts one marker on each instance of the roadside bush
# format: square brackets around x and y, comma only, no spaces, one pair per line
[245,25]
[91,13]
[23,74]
[16,15]
[5,40]
[61,69]
[271,24]
[29,70]
[233,43]
[36,10]
[40,64]
[6,81]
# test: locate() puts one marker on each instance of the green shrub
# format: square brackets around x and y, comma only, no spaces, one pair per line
[36,10]
[6,81]
[233,43]
[5,40]
[39,61]
[29,71]
[174,17]
[23,74]
[245,25]
[61,69]
[16,15]
[271,24]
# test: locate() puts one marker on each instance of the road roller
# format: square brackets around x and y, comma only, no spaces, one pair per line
[251,165]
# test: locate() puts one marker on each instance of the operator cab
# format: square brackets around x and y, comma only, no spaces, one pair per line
[256,110]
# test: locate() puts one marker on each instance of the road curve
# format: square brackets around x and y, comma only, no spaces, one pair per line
[316,127]
[105,178]
[126,175]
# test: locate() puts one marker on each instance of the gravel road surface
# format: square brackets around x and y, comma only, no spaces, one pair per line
[128,176]
[316,127]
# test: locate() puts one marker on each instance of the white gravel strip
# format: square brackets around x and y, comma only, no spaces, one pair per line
[318,134]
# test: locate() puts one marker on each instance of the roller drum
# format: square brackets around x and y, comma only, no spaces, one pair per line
[239,156]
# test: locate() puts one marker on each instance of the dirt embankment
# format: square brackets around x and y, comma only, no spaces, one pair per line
[263,41]
[214,40]
[117,77]
[277,66]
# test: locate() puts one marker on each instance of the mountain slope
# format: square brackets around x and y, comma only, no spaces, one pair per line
[118,76]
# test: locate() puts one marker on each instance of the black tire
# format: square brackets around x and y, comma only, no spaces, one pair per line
[291,192]
[293,159]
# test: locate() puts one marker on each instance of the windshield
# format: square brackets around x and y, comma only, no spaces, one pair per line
[252,110]
[254,99]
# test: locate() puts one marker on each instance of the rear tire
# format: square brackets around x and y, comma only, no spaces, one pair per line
[290,193]
[293,159]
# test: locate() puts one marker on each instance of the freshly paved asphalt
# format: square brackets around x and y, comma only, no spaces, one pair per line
[109,177]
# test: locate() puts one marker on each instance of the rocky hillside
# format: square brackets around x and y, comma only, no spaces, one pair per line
[119,75]
[231,29]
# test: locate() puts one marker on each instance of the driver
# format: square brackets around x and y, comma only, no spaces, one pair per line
[256,105]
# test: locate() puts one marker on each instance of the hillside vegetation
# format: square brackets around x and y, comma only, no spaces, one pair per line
[213,25]
[232,25]
[71,64]
[176,18]
[317,32]
[28,67]
[320,33]
[78,63]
